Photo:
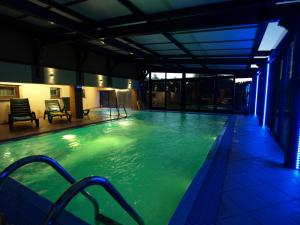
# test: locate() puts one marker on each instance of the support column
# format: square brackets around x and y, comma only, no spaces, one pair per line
[37,69]
[292,156]
[183,92]
[76,91]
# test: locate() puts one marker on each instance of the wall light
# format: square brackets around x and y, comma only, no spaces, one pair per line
[100,80]
[266,93]
[256,94]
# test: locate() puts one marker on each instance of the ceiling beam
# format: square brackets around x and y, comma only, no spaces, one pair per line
[137,11]
[228,61]
[258,38]
[245,14]
[76,29]
[195,10]
[154,54]
[237,73]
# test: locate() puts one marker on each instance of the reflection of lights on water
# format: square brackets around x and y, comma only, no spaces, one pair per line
[6,155]
[74,144]
[69,137]
[124,123]
[72,139]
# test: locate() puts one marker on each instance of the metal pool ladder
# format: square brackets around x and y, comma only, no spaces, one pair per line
[75,188]
[118,110]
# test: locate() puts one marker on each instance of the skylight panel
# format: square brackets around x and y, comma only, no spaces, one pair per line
[272,37]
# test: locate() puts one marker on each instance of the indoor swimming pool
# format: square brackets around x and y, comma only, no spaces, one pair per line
[150,157]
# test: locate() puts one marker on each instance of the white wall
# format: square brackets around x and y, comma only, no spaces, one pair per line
[36,93]
[92,98]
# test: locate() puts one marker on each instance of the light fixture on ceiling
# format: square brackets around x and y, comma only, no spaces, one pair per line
[287,2]
[272,36]
[131,53]
[260,57]
[51,22]
[254,66]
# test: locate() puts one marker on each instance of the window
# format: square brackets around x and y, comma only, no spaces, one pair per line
[174,75]
[158,76]
[191,75]
[9,91]
[54,92]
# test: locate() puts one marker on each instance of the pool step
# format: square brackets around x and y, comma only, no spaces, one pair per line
[21,206]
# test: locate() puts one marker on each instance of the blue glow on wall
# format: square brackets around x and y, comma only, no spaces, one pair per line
[266,93]
[298,151]
[256,93]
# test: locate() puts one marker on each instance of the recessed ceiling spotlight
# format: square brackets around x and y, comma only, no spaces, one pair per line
[100,40]
[51,22]
[98,28]
[131,53]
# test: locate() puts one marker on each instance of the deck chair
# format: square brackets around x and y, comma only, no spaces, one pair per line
[20,111]
[67,107]
[53,109]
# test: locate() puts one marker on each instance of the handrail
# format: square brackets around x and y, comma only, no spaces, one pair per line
[54,164]
[74,189]
[124,109]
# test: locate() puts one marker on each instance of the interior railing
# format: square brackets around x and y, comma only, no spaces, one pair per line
[76,188]
[73,190]
[54,164]
[118,110]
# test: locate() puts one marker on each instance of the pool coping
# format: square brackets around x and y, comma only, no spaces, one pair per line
[199,204]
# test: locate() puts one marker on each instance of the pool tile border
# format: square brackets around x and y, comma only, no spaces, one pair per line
[199,204]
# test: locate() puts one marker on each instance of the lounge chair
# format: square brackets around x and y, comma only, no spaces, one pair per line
[53,109]
[67,107]
[20,111]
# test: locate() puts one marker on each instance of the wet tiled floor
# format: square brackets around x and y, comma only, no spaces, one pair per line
[258,190]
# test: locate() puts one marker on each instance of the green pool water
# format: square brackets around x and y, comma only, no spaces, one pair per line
[150,157]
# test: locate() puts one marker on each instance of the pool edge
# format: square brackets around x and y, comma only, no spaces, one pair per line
[199,205]
[59,129]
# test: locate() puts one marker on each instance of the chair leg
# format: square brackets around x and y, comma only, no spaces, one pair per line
[10,121]
[11,124]
[37,122]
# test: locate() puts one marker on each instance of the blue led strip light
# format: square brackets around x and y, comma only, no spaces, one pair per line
[298,151]
[256,93]
[266,93]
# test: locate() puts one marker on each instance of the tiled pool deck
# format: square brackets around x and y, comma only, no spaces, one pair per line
[258,190]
